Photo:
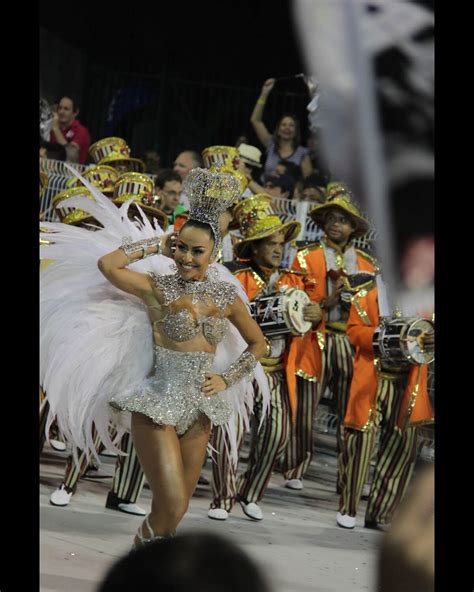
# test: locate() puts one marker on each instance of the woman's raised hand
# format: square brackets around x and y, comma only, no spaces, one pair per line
[267,86]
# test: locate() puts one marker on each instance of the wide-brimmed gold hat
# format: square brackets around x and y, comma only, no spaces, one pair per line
[140,188]
[220,156]
[67,214]
[339,197]
[257,220]
[101,176]
[115,151]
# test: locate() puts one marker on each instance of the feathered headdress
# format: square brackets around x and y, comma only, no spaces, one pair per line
[210,193]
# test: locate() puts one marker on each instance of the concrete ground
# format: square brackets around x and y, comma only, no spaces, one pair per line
[298,544]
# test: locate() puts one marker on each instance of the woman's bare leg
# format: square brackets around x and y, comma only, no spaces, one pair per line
[193,450]
[172,466]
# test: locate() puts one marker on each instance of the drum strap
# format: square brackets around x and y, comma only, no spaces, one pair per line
[355,301]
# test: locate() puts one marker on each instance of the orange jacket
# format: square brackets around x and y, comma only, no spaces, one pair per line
[254,285]
[415,407]
[304,355]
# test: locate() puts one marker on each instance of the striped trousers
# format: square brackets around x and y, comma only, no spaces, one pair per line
[128,478]
[269,446]
[337,375]
[395,458]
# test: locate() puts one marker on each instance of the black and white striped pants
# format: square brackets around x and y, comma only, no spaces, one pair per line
[394,461]
[269,446]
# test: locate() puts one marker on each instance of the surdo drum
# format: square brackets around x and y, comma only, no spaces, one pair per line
[399,341]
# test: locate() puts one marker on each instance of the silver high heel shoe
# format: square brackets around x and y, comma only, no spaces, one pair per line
[154,537]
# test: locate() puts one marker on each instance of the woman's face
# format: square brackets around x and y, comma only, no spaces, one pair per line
[287,128]
[193,253]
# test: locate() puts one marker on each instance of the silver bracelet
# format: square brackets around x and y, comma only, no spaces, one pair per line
[243,366]
[132,248]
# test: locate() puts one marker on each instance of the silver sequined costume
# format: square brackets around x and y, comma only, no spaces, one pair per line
[172,395]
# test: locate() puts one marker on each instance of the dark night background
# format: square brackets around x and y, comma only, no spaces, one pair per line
[177,75]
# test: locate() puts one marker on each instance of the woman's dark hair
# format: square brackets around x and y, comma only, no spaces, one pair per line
[297,138]
[292,169]
[191,223]
[198,561]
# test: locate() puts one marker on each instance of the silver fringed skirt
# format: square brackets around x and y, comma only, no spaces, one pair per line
[173,396]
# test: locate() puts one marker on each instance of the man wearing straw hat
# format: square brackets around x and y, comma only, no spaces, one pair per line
[264,236]
[324,357]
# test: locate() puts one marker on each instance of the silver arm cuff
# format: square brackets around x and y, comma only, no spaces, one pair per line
[243,366]
[132,249]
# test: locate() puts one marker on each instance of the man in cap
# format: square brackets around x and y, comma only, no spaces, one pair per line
[264,236]
[324,358]
[386,396]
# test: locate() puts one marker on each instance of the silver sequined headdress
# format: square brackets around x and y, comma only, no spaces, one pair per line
[210,193]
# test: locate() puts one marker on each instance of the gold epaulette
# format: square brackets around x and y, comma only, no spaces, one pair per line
[368,257]
[241,270]
[310,247]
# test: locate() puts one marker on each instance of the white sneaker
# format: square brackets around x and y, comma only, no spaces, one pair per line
[57,445]
[294,484]
[218,514]
[60,497]
[345,521]
[252,510]
[131,509]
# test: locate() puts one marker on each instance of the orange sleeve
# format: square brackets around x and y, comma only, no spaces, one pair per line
[360,334]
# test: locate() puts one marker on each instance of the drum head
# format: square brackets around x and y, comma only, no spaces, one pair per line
[412,341]
[293,302]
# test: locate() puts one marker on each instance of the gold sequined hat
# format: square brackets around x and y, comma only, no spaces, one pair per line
[220,156]
[140,188]
[68,214]
[101,176]
[257,220]
[339,197]
[114,152]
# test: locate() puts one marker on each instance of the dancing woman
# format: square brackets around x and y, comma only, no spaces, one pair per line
[202,367]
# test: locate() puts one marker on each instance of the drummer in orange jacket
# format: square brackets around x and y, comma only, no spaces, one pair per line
[392,397]
[324,357]
[264,238]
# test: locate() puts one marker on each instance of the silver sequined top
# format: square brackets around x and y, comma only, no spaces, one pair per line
[182,326]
